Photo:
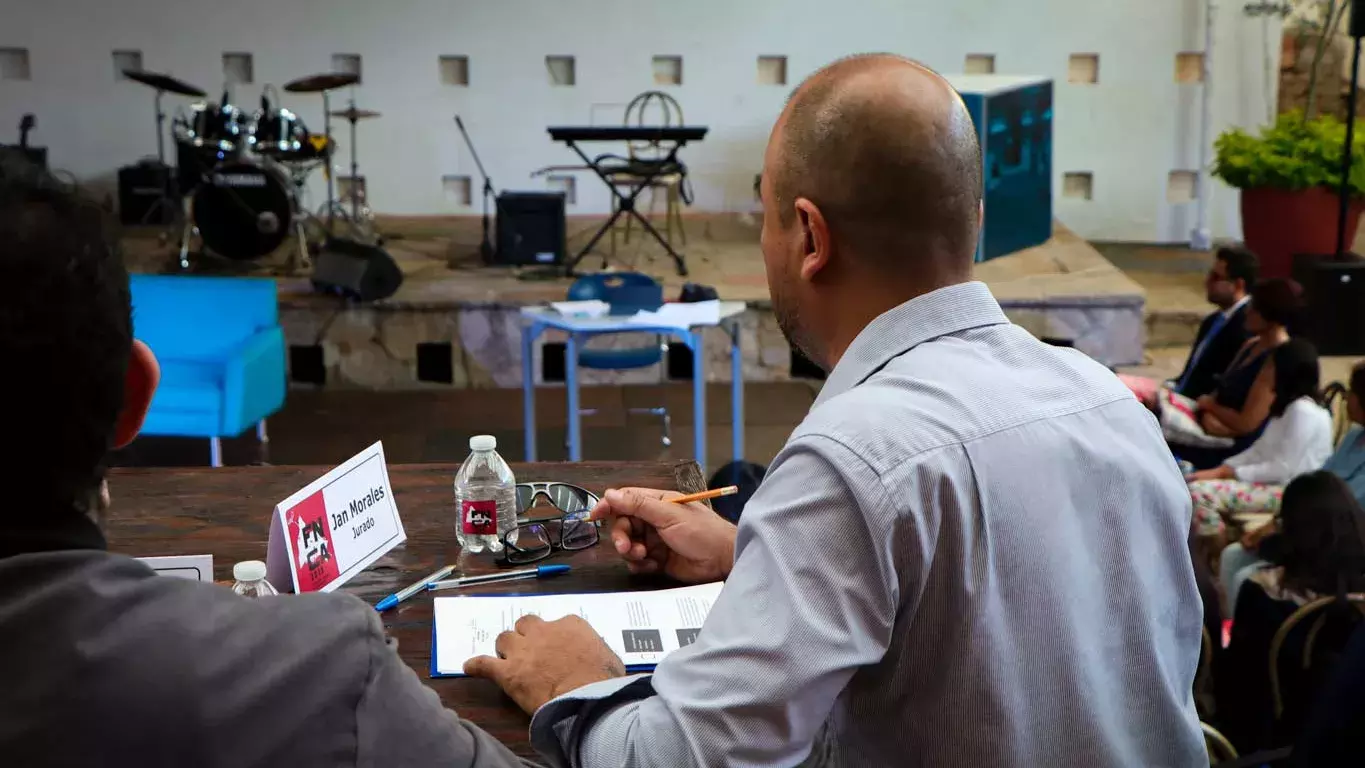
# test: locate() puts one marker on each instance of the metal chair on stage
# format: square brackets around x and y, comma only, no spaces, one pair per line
[625,291]
[656,109]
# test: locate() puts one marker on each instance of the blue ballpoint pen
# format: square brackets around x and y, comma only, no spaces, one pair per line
[412,589]
[539,572]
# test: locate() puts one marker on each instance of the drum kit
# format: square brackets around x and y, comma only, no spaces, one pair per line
[241,178]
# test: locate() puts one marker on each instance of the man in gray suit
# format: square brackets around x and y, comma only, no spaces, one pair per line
[101,661]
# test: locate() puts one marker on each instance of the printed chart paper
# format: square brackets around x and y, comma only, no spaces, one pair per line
[641,627]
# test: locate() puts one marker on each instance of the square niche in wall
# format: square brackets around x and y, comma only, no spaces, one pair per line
[668,70]
[346,63]
[561,70]
[1181,186]
[1083,68]
[979,64]
[1078,185]
[454,70]
[458,190]
[126,61]
[14,64]
[565,184]
[238,69]
[1189,67]
[772,70]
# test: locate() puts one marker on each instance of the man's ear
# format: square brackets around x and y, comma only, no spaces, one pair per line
[816,245]
[139,384]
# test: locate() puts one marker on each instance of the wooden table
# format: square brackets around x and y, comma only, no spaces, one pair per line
[226,512]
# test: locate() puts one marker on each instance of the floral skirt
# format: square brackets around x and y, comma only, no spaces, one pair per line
[1215,501]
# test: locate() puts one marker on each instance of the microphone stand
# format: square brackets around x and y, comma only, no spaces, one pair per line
[486,247]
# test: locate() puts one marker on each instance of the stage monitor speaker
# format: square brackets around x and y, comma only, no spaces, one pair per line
[1357,18]
[140,188]
[356,271]
[1334,295]
[530,228]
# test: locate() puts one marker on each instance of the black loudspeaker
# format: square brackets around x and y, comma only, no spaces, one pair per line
[530,228]
[356,271]
[140,188]
[1357,18]
[1334,295]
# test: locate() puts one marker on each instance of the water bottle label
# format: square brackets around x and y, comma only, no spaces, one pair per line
[479,517]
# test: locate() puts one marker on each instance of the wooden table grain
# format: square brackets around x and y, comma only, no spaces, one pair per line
[226,513]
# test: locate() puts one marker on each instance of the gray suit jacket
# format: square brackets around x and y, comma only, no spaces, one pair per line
[104,663]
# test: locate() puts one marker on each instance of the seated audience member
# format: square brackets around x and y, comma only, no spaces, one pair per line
[1227,421]
[1348,462]
[973,551]
[105,663]
[1221,334]
[1296,440]
[1242,559]
[1319,552]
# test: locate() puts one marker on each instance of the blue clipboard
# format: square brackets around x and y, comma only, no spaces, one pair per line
[630,668]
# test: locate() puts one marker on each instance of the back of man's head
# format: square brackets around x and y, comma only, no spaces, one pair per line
[65,338]
[887,151]
[1241,263]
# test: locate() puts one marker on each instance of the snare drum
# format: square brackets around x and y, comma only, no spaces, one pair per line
[276,132]
[214,127]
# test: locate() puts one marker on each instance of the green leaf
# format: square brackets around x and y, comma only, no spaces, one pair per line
[1291,154]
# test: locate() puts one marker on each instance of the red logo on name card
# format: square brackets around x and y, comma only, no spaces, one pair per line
[479,517]
[315,561]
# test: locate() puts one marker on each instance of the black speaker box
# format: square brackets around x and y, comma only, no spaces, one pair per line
[140,187]
[530,228]
[1334,294]
[356,271]
[35,155]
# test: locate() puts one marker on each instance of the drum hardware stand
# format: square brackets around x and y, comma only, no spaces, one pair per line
[486,247]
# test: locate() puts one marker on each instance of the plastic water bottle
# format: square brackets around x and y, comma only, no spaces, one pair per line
[485,497]
[250,577]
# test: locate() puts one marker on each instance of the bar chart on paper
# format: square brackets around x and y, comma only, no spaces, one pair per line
[640,627]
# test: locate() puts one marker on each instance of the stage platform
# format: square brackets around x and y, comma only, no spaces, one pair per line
[450,304]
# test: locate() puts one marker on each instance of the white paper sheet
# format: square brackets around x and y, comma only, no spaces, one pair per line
[641,627]
[680,314]
[590,308]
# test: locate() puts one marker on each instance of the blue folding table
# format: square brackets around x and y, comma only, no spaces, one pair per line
[534,322]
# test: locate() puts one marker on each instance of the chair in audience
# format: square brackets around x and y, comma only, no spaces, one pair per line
[1310,661]
[222,355]
[1219,747]
[645,158]
[1334,400]
[626,292]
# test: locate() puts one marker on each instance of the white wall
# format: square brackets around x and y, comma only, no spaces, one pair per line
[1130,130]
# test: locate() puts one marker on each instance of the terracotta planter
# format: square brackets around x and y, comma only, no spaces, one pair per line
[1278,223]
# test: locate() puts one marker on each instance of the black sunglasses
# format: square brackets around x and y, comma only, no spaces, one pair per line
[567,498]
[537,538]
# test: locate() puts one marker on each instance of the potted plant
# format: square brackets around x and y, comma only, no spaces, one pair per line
[1289,176]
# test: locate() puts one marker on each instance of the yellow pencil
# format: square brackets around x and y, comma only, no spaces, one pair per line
[704,495]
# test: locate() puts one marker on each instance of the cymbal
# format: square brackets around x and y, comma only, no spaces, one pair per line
[163,82]
[326,81]
[352,113]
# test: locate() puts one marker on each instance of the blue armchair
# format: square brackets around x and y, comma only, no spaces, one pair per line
[627,293]
[222,355]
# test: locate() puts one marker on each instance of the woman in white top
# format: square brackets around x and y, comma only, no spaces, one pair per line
[1296,440]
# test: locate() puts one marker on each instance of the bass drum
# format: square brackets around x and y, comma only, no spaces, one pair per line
[243,211]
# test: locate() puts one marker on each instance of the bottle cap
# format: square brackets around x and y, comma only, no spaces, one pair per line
[483,443]
[249,570]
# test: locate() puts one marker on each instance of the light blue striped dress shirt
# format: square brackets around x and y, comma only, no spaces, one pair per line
[971,552]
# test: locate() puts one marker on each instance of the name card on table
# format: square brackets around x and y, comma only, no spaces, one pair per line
[192,567]
[335,527]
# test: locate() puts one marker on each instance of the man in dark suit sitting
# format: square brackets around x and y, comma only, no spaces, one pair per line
[1222,333]
[1228,287]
